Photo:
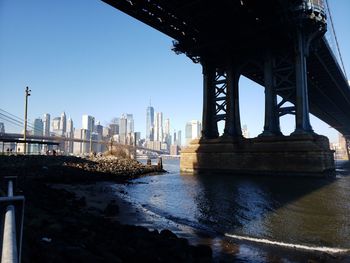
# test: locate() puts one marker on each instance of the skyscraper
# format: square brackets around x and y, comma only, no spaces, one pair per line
[81,147]
[123,129]
[130,124]
[167,126]
[69,134]
[158,127]
[149,122]
[193,130]
[179,138]
[188,132]
[38,131]
[63,123]
[46,123]
[167,135]
[114,128]
[99,129]
[196,129]
[88,123]
[38,127]
[245,131]
[56,125]
[70,127]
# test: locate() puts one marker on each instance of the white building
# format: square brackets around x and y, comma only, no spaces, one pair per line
[56,126]
[123,129]
[82,147]
[69,134]
[130,124]
[158,127]
[46,123]
[245,131]
[88,122]
[192,131]
[63,123]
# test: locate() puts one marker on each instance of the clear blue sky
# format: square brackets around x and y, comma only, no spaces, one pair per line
[85,57]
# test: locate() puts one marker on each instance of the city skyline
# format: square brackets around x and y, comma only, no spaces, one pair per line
[110,62]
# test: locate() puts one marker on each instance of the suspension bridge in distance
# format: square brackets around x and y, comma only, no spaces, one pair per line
[57,140]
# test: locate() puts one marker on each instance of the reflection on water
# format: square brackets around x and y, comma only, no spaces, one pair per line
[304,211]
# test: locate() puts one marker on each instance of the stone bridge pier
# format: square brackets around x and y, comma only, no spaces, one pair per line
[302,153]
[283,72]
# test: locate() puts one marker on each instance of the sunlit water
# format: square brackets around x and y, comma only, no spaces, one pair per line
[287,211]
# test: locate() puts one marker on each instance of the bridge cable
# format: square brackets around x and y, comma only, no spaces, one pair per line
[336,39]
[9,119]
[16,122]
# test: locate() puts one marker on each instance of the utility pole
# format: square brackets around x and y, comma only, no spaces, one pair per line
[27,93]
[90,142]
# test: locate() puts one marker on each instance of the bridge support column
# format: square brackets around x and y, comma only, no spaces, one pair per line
[209,122]
[272,123]
[302,118]
[233,119]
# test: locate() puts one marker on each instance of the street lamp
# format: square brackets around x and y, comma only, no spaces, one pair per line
[27,93]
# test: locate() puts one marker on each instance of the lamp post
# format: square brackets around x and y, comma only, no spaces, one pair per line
[27,93]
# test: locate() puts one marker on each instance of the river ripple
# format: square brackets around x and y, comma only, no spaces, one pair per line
[310,212]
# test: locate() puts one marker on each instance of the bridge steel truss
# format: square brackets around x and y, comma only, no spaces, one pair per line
[282,36]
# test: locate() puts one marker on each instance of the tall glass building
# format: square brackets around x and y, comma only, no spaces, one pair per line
[149,123]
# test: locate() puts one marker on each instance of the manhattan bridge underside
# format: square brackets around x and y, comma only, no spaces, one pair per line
[279,44]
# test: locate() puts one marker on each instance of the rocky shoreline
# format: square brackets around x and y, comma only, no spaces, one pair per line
[61,226]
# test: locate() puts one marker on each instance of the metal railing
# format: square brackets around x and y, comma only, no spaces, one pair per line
[11,211]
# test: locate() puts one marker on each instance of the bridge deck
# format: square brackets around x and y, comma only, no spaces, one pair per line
[200,25]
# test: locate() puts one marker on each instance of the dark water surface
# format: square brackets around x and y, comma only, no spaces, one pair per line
[251,218]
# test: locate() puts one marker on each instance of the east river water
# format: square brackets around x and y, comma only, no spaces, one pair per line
[249,218]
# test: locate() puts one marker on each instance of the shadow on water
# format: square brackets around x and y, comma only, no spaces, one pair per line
[297,210]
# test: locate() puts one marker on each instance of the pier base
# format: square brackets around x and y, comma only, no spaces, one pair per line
[305,155]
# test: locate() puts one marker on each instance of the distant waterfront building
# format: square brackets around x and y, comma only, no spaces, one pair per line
[96,147]
[114,128]
[123,129]
[81,147]
[130,123]
[63,123]
[99,128]
[154,145]
[70,127]
[38,127]
[99,134]
[158,127]
[77,145]
[167,135]
[174,150]
[46,123]
[196,129]
[88,122]
[149,123]
[188,132]
[56,125]
[38,131]
[106,133]
[192,130]
[245,131]
[69,134]
[179,136]
[2,127]
[137,136]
